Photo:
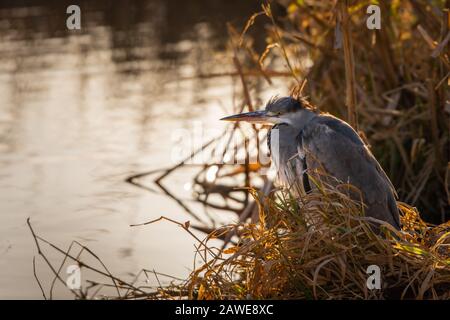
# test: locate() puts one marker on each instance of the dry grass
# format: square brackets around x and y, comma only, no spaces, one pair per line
[283,257]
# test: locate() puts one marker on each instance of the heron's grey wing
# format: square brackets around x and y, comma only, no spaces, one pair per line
[382,172]
[333,145]
[344,129]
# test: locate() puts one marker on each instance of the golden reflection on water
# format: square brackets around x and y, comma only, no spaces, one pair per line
[81,111]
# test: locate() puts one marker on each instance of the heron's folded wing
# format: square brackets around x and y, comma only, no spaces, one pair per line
[339,150]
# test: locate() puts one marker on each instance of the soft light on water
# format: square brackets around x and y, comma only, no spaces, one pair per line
[82,111]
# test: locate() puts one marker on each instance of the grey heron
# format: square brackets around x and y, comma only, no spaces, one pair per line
[308,139]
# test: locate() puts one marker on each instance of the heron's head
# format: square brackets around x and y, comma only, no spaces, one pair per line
[278,110]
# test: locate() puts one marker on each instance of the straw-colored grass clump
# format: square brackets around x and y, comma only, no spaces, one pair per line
[284,257]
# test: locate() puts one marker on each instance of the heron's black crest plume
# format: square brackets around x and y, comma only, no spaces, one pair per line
[285,104]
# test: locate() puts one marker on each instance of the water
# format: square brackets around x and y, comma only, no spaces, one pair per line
[80,111]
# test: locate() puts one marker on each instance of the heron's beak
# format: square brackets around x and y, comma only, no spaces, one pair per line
[259,116]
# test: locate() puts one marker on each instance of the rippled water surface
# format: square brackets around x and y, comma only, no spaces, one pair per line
[80,111]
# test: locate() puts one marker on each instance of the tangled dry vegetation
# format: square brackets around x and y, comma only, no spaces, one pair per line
[283,257]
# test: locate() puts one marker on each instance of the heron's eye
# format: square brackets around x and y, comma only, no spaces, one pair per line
[275,113]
